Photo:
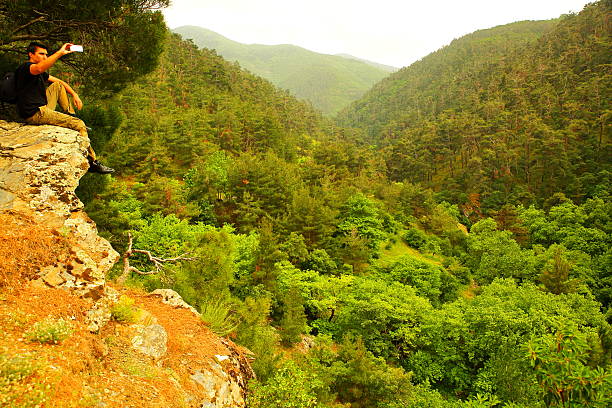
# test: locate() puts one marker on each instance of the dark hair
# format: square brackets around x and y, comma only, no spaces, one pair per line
[34,45]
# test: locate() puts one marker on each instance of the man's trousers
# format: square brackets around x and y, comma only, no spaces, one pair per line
[46,115]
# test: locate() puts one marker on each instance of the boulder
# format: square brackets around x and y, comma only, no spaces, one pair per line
[171,298]
[150,340]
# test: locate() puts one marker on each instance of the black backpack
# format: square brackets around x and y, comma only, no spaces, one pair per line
[8,88]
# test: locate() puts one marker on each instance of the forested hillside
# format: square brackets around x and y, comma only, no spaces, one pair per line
[329,82]
[352,289]
[405,263]
[507,115]
[196,103]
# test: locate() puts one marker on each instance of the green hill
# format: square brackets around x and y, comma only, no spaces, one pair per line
[196,102]
[510,114]
[329,82]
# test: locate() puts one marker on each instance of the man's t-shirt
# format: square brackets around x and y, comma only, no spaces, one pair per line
[31,90]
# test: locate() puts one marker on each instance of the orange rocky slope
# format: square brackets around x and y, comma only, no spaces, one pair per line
[52,265]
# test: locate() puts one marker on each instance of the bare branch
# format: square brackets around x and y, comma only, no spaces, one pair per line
[158,262]
[26,25]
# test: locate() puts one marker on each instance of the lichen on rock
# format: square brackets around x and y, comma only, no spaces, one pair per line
[40,169]
[170,297]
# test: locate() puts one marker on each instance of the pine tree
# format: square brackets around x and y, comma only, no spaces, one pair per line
[293,323]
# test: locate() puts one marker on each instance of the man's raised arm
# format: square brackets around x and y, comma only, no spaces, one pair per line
[47,63]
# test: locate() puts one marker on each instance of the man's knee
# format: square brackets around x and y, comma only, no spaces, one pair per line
[55,86]
[74,123]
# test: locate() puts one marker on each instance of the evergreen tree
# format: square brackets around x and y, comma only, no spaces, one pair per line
[122,39]
[293,324]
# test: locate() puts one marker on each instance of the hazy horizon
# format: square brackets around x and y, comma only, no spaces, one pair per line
[343,54]
[393,33]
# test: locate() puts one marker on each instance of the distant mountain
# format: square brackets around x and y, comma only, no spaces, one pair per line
[384,67]
[505,115]
[329,82]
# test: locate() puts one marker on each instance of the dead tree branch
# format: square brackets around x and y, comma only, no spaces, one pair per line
[157,261]
[26,25]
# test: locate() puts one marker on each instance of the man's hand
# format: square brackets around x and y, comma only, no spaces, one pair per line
[65,49]
[77,101]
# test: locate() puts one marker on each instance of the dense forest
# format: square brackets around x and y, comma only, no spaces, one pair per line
[446,243]
[511,114]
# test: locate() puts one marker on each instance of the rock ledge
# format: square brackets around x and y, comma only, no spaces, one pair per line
[40,168]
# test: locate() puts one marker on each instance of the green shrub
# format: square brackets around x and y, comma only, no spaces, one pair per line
[290,387]
[220,317]
[415,238]
[256,334]
[124,310]
[49,330]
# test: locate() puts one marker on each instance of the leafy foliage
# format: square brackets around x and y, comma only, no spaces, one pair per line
[289,388]
[478,344]
[561,366]
[122,38]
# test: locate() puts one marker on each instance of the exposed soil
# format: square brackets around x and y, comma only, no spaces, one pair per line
[102,370]
[87,369]
[26,247]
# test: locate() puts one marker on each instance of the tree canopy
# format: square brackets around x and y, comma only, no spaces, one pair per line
[122,38]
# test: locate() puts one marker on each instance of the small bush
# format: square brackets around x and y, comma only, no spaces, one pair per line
[16,386]
[124,310]
[415,238]
[219,317]
[290,387]
[50,330]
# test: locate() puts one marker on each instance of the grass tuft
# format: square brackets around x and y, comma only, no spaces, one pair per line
[50,330]
[220,317]
[124,310]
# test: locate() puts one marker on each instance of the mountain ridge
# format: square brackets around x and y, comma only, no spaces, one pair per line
[329,82]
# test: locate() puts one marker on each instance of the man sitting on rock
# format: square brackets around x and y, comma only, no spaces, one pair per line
[36,102]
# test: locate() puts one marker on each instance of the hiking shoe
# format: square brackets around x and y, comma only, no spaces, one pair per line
[97,167]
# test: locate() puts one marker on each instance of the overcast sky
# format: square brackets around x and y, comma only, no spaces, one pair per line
[393,32]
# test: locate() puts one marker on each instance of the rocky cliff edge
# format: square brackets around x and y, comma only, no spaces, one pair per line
[40,168]
[52,283]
